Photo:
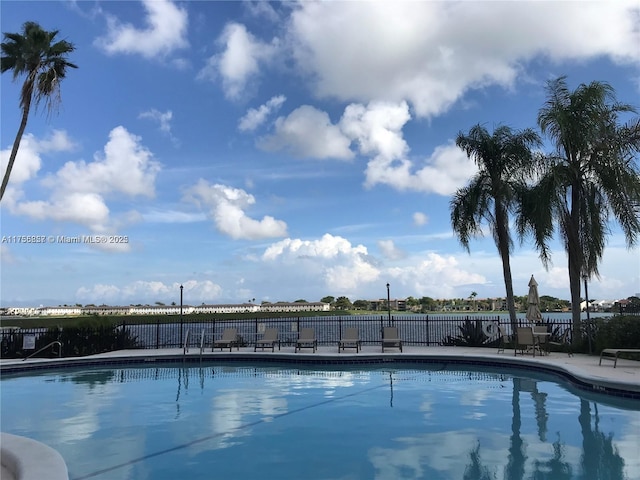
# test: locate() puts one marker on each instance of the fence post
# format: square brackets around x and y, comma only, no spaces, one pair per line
[426,322]
[157,334]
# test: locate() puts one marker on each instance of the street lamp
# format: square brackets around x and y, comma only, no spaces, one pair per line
[586,299]
[389,304]
[181,287]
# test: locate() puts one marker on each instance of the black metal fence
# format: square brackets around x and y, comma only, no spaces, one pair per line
[417,330]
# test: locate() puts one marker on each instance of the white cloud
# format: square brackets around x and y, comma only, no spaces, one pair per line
[308,133]
[166,31]
[257,116]
[436,276]
[149,292]
[390,251]
[28,159]
[377,129]
[6,256]
[163,119]
[446,170]
[240,61]
[343,267]
[126,167]
[226,207]
[79,189]
[420,219]
[172,216]
[428,53]
[262,9]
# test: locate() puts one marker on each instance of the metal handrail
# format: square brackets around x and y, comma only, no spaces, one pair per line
[201,342]
[44,348]
[185,346]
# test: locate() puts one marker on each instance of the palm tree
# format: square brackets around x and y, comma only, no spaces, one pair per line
[503,158]
[472,297]
[592,177]
[33,53]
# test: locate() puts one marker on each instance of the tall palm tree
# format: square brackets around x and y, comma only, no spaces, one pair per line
[504,158]
[592,177]
[34,54]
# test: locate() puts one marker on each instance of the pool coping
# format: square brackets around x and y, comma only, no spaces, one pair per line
[28,459]
[621,382]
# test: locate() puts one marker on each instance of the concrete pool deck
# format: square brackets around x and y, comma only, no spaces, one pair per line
[581,370]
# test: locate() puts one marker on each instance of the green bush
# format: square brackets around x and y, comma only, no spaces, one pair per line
[620,331]
[471,335]
[88,338]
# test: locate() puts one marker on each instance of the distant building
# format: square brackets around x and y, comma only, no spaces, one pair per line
[295,307]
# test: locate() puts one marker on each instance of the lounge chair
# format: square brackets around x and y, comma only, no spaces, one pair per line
[564,343]
[614,353]
[350,339]
[503,338]
[306,339]
[525,340]
[390,338]
[229,339]
[268,340]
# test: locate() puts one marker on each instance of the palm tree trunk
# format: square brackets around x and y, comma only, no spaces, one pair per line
[16,145]
[503,248]
[574,255]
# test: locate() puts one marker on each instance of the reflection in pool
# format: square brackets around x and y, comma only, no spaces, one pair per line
[240,422]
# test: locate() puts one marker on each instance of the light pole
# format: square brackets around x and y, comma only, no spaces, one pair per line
[181,287]
[586,299]
[389,304]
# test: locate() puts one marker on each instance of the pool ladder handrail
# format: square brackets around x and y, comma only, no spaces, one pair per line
[185,345]
[47,346]
[201,343]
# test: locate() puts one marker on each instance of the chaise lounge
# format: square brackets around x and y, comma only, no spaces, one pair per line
[268,340]
[306,339]
[229,339]
[391,338]
[613,354]
[351,339]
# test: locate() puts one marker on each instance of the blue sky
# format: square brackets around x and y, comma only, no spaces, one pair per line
[253,150]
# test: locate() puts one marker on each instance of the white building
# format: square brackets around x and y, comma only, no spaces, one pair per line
[227,308]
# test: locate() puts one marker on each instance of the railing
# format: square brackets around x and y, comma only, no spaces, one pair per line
[45,347]
[416,330]
[202,337]
[185,345]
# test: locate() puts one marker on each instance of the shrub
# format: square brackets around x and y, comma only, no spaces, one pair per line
[471,335]
[88,338]
[620,331]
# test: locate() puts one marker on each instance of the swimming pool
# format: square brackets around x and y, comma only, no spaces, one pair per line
[278,422]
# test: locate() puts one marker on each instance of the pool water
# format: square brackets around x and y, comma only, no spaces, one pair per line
[241,422]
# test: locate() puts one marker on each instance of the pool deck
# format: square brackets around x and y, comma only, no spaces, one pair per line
[579,368]
[582,370]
